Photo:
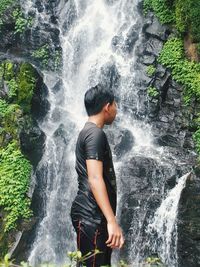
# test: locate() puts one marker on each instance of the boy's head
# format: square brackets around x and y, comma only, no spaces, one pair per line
[97,99]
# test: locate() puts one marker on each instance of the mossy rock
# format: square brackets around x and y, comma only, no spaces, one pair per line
[20,78]
[26,78]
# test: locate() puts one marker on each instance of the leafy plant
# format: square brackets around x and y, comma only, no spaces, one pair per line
[21,23]
[13,88]
[196,137]
[26,78]
[162,9]
[75,258]
[4,4]
[187,17]
[3,107]
[154,261]
[152,92]
[42,53]
[150,70]
[183,71]
[21,83]
[14,182]
[6,261]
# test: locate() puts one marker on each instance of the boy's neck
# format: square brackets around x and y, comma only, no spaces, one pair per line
[97,119]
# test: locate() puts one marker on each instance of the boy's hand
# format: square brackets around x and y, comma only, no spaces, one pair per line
[115,236]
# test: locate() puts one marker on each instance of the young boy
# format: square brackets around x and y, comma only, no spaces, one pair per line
[94,208]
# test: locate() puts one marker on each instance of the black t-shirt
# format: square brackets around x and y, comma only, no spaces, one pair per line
[92,143]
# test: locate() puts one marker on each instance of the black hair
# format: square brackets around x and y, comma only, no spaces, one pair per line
[96,98]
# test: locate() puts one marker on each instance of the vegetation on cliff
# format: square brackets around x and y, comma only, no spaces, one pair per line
[181,52]
[17,84]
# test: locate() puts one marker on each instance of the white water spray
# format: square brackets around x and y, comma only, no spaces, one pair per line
[87,30]
[164,225]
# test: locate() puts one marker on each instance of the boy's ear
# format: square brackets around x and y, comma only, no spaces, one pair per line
[106,107]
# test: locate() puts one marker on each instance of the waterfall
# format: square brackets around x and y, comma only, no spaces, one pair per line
[162,230]
[99,41]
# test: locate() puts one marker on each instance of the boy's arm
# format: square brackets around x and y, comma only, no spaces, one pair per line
[97,185]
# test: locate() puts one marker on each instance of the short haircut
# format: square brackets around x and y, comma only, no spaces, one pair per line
[96,98]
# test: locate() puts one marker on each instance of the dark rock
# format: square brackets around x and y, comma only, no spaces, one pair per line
[32,141]
[148,21]
[124,144]
[167,140]
[147,59]
[21,240]
[141,77]
[157,30]
[58,86]
[7,35]
[39,103]
[61,134]
[153,47]
[162,81]
[188,224]
[140,7]
[117,42]
[131,38]
[153,107]
[69,15]
[110,77]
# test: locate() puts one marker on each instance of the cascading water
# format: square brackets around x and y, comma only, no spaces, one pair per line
[164,225]
[98,39]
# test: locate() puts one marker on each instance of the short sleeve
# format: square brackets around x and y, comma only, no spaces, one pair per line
[95,145]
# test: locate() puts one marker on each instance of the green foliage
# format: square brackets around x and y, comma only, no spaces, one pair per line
[154,261]
[7,70]
[196,137]
[4,4]
[198,49]
[181,15]
[150,70]
[187,17]
[184,13]
[21,83]
[43,54]
[185,72]
[21,23]
[75,257]
[152,92]
[13,88]
[14,168]
[10,115]
[26,82]
[3,108]
[162,9]
[195,20]
[6,261]
[14,182]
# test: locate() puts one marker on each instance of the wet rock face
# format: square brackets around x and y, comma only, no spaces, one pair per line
[165,109]
[17,49]
[189,222]
[170,121]
[32,142]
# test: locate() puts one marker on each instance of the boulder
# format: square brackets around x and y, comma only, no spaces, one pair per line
[188,223]
[156,30]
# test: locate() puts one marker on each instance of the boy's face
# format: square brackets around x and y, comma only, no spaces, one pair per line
[111,111]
